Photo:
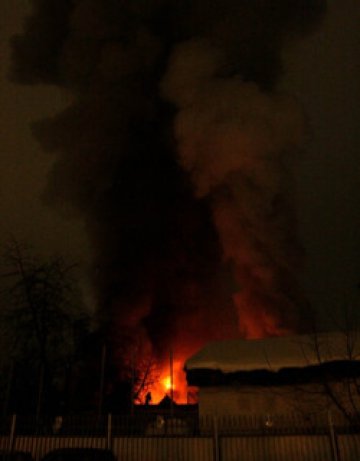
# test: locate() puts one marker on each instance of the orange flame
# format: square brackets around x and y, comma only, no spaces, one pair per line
[177,388]
[255,321]
[166,382]
[163,386]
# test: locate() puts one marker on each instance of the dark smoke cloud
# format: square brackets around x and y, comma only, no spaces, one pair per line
[174,153]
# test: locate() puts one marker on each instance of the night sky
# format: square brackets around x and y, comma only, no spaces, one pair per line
[201,164]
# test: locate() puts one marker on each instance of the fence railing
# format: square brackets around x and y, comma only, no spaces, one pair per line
[187,437]
[164,423]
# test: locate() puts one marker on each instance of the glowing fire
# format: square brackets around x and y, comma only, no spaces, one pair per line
[163,386]
[167,383]
[254,322]
[177,388]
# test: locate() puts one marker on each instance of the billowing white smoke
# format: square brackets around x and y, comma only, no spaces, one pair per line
[234,140]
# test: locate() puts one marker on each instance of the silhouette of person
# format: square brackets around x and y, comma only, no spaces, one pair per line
[148,398]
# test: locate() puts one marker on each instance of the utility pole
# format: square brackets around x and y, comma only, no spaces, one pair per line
[40,395]
[9,389]
[132,395]
[102,380]
[171,382]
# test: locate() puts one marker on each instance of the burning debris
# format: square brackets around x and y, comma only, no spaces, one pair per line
[176,152]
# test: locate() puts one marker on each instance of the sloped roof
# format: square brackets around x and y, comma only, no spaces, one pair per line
[273,354]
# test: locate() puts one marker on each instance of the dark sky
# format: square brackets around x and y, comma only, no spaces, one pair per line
[320,70]
[324,72]
[24,165]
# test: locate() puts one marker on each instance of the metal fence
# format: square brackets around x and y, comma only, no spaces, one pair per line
[169,437]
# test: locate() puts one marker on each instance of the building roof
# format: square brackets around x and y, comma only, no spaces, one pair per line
[274,354]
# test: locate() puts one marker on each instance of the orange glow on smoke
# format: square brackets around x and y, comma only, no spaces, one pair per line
[255,321]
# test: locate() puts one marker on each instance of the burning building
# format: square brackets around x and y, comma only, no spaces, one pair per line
[176,152]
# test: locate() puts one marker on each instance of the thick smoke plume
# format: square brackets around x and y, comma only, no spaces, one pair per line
[233,139]
[175,151]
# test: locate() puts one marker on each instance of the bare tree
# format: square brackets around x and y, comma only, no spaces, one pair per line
[333,372]
[40,313]
[145,376]
[340,379]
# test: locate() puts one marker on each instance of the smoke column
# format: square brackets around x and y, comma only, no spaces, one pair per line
[176,153]
[233,139]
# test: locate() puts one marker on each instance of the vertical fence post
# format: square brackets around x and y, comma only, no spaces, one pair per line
[12,433]
[334,446]
[216,439]
[109,432]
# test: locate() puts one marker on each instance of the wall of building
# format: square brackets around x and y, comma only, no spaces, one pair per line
[234,400]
